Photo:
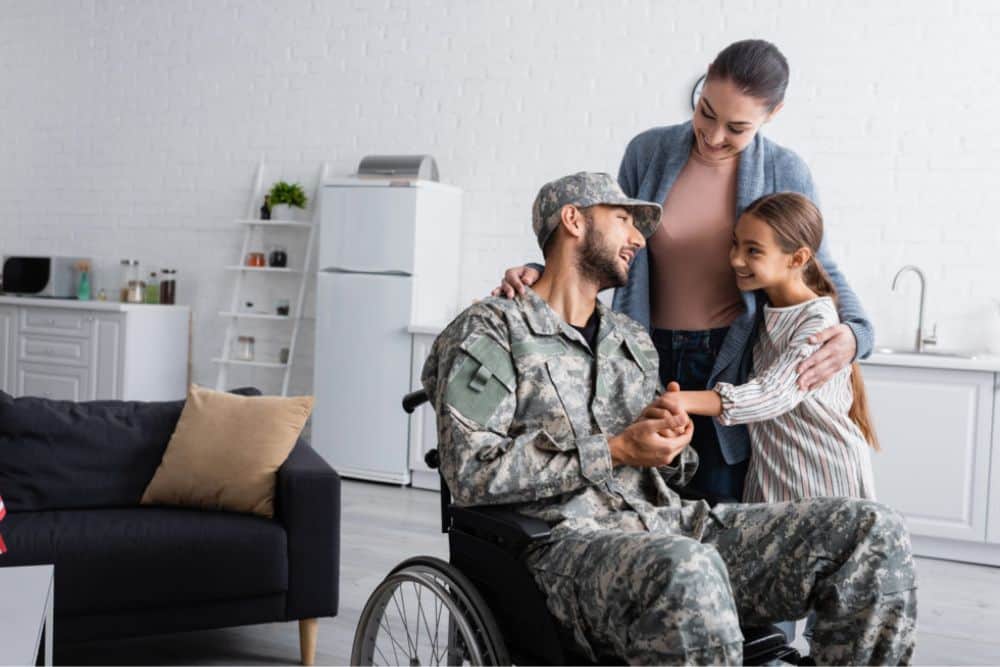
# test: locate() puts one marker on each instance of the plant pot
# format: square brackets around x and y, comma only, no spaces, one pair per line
[283,212]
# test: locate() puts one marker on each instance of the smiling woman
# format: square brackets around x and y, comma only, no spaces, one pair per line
[681,286]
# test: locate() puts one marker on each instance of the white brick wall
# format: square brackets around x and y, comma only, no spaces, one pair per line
[132,128]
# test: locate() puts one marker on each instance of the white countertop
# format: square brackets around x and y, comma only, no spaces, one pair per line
[982,362]
[114,306]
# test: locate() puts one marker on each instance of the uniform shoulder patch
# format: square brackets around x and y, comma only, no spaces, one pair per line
[483,378]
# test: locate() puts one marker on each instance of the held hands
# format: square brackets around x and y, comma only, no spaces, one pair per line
[515,280]
[837,349]
[656,437]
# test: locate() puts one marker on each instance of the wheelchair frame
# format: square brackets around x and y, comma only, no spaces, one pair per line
[491,587]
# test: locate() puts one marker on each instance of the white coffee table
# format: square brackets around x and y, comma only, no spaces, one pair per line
[25,610]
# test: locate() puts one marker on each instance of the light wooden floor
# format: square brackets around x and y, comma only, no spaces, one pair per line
[382,525]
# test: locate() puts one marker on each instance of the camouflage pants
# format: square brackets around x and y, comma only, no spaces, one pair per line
[671,599]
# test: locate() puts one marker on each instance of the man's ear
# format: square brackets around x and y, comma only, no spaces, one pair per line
[800,258]
[572,221]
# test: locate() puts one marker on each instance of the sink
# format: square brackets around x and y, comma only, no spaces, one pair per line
[946,354]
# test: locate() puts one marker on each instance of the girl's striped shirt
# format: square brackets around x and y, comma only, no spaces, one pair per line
[804,444]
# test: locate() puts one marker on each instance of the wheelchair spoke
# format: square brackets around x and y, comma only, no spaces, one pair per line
[394,643]
[437,626]
[402,617]
[384,659]
[421,614]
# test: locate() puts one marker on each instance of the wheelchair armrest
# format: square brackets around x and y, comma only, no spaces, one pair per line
[499,524]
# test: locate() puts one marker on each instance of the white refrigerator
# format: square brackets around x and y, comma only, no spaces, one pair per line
[387,261]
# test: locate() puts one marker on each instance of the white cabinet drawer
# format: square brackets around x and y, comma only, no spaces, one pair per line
[61,383]
[50,350]
[74,323]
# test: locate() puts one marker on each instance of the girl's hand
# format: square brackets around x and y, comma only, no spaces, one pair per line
[515,279]
[838,347]
[670,407]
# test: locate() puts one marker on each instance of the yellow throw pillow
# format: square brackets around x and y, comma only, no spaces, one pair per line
[225,451]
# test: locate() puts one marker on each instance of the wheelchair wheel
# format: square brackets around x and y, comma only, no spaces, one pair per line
[426,612]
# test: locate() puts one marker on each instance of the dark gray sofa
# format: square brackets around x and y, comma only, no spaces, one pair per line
[71,475]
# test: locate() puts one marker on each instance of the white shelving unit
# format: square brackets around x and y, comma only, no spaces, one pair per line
[233,315]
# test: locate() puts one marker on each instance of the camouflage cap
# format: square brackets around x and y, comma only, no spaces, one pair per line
[585,189]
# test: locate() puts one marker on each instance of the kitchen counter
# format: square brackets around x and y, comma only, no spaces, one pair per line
[109,306]
[982,362]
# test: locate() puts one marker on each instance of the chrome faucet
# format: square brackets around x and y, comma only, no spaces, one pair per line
[921,341]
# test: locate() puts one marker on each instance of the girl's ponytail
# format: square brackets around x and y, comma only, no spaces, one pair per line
[819,281]
[797,223]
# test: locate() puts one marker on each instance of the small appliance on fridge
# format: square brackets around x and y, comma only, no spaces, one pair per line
[388,260]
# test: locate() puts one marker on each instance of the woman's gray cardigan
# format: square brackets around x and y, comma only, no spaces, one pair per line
[651,164]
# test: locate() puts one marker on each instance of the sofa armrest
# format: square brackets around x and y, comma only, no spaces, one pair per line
[307,503]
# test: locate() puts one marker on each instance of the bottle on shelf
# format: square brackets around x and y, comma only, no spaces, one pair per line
[83,284]
[265,210]
[152,288]
[168,286]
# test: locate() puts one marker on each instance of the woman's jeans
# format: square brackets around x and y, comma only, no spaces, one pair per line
[687,357]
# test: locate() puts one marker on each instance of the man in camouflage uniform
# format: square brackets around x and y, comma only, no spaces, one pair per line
[562,421]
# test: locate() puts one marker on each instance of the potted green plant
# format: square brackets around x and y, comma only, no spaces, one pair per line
[284,197]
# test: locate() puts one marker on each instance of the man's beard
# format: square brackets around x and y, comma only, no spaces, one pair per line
[598,263]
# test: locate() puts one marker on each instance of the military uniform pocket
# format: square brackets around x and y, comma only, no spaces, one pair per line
[485,377]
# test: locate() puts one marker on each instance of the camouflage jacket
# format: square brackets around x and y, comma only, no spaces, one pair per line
[524,414]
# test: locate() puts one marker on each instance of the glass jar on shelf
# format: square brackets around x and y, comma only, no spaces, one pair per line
[136,292]
[129,274]
[244,348]
[256,259]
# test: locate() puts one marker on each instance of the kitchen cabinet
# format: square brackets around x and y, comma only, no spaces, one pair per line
[935,429]
[91,350]
[993,512]
[938,422]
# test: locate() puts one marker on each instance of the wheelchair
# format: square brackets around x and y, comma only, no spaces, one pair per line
[483,606]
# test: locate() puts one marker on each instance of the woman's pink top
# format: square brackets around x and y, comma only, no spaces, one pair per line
[693,286]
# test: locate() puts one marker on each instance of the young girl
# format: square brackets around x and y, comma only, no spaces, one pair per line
[804,443]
